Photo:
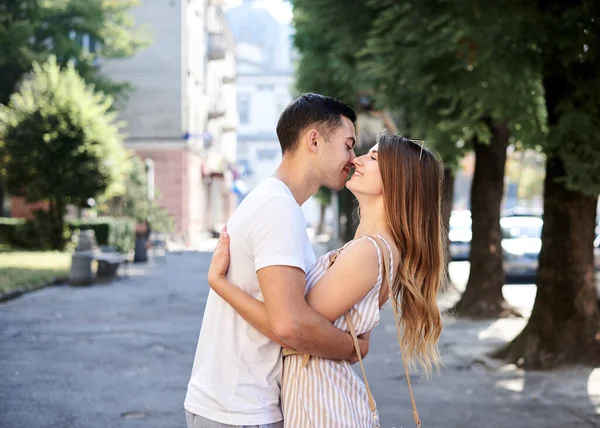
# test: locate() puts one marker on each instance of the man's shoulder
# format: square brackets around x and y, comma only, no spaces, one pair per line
[270,192]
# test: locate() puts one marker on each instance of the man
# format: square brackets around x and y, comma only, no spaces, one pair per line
[236,376]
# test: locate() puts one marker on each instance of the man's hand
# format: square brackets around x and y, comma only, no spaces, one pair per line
[220,260]
[363,343]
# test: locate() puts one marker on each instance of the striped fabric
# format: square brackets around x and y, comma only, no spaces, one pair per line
[327,393]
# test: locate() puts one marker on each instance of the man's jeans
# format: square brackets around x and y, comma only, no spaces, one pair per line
[195,421]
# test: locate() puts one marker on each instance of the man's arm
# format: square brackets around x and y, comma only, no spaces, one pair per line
[277,242]
[294,322]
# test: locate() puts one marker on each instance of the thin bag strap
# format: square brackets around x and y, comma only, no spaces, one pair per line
[386,269]
[350,324]
[360,360]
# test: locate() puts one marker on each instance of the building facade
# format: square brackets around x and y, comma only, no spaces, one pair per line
[181,112]
[265,80]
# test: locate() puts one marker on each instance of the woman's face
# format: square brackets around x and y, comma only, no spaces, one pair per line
[366,179]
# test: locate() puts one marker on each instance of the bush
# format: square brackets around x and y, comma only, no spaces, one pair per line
[60,142]
[38,234]
[10,228]
[116,232]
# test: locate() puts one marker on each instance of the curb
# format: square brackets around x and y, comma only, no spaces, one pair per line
[5,297]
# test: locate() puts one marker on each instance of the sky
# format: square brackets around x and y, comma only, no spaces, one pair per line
[282,11]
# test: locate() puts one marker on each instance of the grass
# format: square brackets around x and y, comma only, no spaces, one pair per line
[20,269]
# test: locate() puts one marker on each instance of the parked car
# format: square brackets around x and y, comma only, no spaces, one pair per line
[522,212]
[597,253]
[460,235]
[521,244]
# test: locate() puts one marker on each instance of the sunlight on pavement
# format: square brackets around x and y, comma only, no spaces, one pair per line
[593,386]
[514,385]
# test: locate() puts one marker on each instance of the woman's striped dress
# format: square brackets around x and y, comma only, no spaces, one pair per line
[327,393]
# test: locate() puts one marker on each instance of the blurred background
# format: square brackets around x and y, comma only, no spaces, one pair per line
[131,129]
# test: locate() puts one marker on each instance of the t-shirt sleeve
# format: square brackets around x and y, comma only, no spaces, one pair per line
[277,234]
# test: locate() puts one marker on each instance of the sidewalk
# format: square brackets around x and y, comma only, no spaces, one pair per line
[475,391]
[120,355]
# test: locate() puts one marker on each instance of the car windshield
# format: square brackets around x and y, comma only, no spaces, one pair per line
[460,222]
[515,227]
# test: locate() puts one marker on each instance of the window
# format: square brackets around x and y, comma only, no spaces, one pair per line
[266,154]
[244,108]
[266,87]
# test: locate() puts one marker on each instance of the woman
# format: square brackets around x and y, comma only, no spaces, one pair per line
[398,187]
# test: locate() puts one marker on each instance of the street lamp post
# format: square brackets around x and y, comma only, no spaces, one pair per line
[141,239]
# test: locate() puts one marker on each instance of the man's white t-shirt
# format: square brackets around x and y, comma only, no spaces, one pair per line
[236,377]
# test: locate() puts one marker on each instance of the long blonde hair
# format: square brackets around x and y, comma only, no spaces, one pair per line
[412,189]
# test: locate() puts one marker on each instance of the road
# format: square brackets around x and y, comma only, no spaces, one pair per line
[120,355]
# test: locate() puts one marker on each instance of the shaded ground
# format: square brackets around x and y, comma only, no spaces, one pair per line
[120,355]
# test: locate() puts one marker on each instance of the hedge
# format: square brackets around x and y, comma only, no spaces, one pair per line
[116,232]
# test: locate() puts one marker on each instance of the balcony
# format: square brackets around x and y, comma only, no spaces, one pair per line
[215,112]
[229,80]
[217,46]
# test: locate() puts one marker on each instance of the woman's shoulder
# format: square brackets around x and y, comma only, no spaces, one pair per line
[376,243]
[363,250]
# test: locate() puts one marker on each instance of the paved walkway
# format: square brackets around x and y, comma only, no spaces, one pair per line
[120,355]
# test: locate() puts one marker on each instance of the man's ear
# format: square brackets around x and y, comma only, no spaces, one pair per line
[312,140]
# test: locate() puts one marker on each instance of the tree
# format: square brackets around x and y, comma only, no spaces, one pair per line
[59,143]
[424,56]
[323,196]
[76,31]
[328,45]
[561,41]
[134,202]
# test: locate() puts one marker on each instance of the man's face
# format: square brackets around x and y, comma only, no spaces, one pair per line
[337,154]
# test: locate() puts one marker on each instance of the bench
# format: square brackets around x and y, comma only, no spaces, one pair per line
[108,264]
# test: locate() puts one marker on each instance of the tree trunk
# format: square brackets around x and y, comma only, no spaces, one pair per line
[321,226]
[565,323]
[56,224]
[483,296]
[1,201]
[447,199]
[348,204]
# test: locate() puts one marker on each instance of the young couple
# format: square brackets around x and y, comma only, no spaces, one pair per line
[268,291]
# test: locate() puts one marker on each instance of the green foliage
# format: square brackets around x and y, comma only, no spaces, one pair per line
[41,233]
[346,58]
[8,229]
[425,59]
[323,196]
[60,143]
[35,235]
[328,43]
[115,232]
[540,63]
[34,30]
[134,202]
[58,139]
[29,269]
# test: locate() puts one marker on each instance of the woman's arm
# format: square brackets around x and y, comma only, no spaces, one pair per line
[347,281]
[344,284]
[249,308]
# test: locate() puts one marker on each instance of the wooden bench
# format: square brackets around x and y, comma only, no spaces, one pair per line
[108,264]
